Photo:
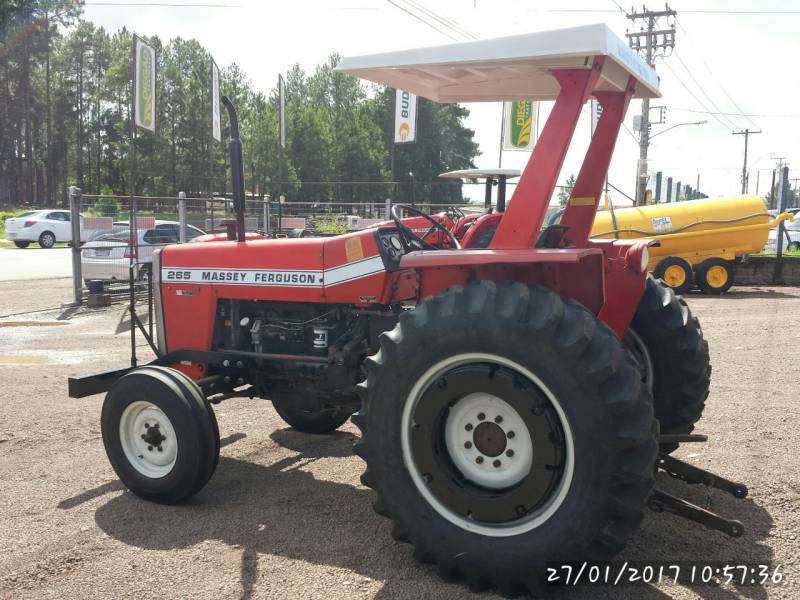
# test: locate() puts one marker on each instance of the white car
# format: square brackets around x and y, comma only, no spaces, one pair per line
[46,227]
[791,237]
[108,257]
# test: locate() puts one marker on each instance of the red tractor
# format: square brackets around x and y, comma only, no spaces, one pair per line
[515,400]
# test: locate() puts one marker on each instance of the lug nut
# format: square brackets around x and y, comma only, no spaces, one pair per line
[226,363]
[510,435]
[467,445]
[160,449]
[498,419]
[150,448]
[496,463]
[156,425]
[143,436]
[481,416]
[509,453]
[479,460]
[468,426]
[147,425]
[239,364]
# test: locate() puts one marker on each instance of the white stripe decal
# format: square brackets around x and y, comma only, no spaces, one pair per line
[275,277]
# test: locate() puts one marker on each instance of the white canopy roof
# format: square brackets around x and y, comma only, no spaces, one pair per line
[481,174]
[509,68]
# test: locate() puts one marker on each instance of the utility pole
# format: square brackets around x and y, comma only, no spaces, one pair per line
[746,133]
[649,40]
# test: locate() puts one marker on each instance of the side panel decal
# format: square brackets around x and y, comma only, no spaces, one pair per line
[275,277]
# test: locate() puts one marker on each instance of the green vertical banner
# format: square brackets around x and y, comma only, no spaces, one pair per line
[519,125]
[144,85]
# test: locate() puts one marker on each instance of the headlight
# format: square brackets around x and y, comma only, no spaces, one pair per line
[645,259]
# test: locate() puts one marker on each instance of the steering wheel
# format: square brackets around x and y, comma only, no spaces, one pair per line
[410,239]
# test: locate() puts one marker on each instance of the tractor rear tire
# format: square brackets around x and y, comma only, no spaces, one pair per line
[160,434]
[714,276]
[311,421]
[676,273]
[506,364]
[676,357]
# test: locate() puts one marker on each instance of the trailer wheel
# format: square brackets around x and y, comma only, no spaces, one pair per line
[675,272]
[324,420]
[668,343]
[505,426]
[22,245]
[714,276]
[160,434]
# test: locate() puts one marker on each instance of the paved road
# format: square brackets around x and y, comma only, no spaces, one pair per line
[284,517]
[34,263]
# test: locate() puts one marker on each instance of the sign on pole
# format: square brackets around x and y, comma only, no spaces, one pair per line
[519,125]
[216,130]
[144,85]
[405,117]
[282,110]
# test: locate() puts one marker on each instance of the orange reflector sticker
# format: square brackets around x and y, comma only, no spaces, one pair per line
[353,249]
[581,201]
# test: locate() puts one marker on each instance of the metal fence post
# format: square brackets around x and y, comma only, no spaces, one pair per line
[388,209]
[182,217]
[265,208]
[75,222]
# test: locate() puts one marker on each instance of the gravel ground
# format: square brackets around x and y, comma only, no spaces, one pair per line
[285,515]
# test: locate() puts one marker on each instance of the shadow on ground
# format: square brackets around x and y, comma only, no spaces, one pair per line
[283,510]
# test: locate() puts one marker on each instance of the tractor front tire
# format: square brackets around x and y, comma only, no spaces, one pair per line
[503,427]
[160,434]
[319,421]
[674,358]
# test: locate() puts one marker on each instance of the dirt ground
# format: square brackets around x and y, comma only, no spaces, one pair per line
[285,515]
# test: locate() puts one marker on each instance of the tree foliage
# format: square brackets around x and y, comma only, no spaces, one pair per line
[65,120]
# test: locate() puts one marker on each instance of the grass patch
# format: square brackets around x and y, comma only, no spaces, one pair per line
[330,226]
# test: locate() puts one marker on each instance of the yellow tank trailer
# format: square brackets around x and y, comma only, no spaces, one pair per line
[699,239]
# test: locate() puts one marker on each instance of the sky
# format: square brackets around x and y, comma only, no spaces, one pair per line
[742,63]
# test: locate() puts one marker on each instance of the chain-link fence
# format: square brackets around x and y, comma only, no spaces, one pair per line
[120,234]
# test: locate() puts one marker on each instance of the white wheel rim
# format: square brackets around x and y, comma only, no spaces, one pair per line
[494,470]
[534,519]
[140,426]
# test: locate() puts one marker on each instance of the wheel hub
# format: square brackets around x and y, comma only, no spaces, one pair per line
[489,439]
[148,439]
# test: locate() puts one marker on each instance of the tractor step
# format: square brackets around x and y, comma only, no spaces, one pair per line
[661,501]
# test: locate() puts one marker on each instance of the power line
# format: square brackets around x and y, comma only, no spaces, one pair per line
[701,88]
[444,20]
[713,76]
[693,95]
[736,114]
[420,19]
[697,12]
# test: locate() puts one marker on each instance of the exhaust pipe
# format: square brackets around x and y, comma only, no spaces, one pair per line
[237,170]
